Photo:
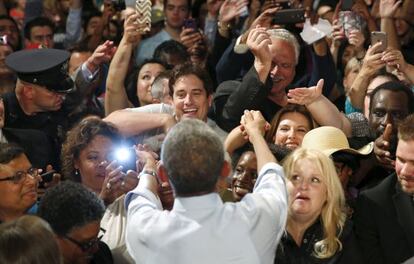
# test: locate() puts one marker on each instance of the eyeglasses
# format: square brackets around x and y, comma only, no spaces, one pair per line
[86,246]
[21,176]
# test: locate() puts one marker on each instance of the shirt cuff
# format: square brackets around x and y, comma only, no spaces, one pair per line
[240,48]
[87,74]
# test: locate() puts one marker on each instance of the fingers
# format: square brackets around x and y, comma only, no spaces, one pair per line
[387,133]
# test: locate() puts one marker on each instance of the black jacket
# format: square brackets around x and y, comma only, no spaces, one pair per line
[289,252]
[384,223]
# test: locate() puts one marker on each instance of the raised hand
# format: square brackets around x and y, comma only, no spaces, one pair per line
[395,59]
[357,39]
[102,54]
[382,147]
[387,8]
[189,37]
[231,9]
[253,123]
[114,183]
[373,60]
[132,29]
[338,33]
[305,95]
[258,42]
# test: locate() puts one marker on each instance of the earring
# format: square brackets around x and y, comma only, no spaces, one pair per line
[76,172]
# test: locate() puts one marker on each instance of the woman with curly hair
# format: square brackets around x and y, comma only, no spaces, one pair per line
[87,158]
[317,230]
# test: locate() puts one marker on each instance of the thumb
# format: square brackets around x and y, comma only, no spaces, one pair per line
[319,85]
[387,132]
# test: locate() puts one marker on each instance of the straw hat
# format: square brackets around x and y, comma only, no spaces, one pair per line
[330,140]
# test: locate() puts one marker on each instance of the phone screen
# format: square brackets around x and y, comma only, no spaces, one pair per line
[190,23]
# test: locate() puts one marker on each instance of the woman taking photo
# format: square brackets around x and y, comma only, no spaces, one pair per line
[138,92]
[87,158]
[317,230]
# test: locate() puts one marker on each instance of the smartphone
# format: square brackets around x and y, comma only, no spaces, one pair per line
[347,4]
[379,36]
[126,157]
[190,23]
[289,16]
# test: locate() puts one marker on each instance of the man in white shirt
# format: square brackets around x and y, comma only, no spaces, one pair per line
[201,228]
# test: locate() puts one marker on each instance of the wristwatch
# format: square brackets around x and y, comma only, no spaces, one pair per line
[148,172]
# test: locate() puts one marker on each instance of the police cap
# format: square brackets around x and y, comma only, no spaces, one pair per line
[44,67]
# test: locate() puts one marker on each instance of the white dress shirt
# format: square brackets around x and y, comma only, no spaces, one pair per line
[203,229]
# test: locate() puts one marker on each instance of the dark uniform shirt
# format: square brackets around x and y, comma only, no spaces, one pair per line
[52,124]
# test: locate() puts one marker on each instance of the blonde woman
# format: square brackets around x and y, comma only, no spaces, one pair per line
[317,230]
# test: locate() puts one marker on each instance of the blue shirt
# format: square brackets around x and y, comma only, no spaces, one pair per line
[146,48]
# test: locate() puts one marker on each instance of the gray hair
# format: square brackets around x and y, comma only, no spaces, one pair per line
[193,156]
[286,35]
[157,87]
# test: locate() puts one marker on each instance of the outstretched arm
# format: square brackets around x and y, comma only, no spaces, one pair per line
[254,126]
[132,123]
[387,10]
[371,64]
[115,96]
[323,111]
[234,140]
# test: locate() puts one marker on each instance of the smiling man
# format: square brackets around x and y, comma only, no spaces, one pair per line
[18,182]
[276,54]
[191,90]
[384,219]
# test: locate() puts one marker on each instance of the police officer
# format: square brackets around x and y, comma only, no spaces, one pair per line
[38,102]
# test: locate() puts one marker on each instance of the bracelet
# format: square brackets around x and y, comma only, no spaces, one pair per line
[223,26]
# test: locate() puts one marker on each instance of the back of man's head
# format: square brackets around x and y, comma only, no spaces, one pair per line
[172,53]
[70,205]
[193,157]
[160,89]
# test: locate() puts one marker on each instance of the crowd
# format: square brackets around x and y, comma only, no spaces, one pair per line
[219,135]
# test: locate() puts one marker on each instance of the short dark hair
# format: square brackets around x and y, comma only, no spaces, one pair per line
[191,69]
[171,47]
[79,137]
[406,128]
[37,22]
[9,152]
[394,86]
[70,205]
[193,156]
[188,5]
